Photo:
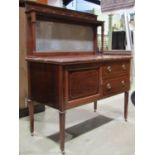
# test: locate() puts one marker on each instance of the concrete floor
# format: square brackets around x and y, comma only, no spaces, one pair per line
[87,133]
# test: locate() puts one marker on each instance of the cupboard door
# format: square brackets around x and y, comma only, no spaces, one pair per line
[82,84]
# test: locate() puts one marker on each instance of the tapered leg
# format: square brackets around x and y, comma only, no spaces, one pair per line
[62,131]
[95,106]
[31,115]
[126,98]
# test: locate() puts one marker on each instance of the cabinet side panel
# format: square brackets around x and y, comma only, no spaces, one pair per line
[43,83]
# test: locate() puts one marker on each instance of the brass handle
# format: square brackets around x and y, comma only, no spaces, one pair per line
[124,67]
[123,83]
[109,68]
[108,86]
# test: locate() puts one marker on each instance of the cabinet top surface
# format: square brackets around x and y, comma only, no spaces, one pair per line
[62,60]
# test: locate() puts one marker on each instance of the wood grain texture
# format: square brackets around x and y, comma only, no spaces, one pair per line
[82,23]
[113,69]
[57,11]
[83,83]
[23,85]
[116,77]
[77,84]
[67,80]
[79,59]
[44,83]
[116,85]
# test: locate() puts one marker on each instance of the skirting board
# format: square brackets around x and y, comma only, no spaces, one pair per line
[25,112]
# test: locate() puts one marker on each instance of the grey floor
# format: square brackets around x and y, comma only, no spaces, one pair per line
[87,133]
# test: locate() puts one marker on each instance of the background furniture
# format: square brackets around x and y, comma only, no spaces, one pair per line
[118,40]
[23,81]
[133,97]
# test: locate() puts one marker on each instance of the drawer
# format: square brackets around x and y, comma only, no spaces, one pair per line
[115,86]
[115,69]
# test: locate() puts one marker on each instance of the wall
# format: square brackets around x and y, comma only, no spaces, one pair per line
[57,3]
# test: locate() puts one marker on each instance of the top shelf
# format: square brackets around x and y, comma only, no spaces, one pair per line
[48,13]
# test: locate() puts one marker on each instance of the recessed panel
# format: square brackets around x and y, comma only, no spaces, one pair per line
[83,83]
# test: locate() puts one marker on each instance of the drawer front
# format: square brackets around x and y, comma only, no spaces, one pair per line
[114,86]
[115,69]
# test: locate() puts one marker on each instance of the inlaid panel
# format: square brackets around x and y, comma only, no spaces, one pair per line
[83,83]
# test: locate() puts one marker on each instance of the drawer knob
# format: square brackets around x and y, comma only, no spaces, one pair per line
[109,68]
[123,83]
[123,67]
[108,86]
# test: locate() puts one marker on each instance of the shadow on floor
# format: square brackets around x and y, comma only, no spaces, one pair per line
[79,129]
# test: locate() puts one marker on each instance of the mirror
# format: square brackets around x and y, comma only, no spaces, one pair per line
[62,37]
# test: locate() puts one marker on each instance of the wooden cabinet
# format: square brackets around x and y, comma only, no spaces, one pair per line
[62,77]
[82,81]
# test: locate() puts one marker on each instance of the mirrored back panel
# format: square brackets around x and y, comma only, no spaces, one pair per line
[62,37]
